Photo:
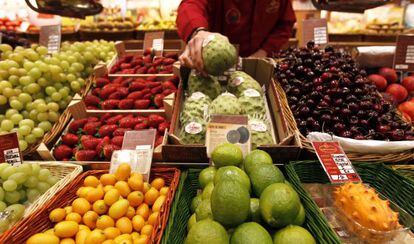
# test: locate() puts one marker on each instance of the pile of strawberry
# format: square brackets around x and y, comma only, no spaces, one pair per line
[96,138]
[145,64]
[130,93]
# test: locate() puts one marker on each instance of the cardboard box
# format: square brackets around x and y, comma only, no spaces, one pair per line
[286,147]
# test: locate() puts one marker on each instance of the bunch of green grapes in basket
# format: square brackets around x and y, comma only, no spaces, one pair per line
[20,186]
[36,87]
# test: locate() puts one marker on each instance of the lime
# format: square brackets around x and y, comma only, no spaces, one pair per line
[230,203]
[206,176]
[254,214]
[300,218]
[195,202]
[256,157]
[250,233]
[234,174]
[191,221]
[293,234]
[207,232]
[279,205]
[207,191]
[227,154]
[264,175]
[204,210]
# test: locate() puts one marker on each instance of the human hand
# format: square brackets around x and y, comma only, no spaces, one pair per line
[192,56]
[259,54]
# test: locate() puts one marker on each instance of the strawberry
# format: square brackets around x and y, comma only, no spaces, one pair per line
[107,130]
[62,151]
[96,91]
[127,71]
[163,127]
[157,62]
[164,72]
[106,91]
[116,95]
[105,141]
[91,107]
[135,95]
[125,66]
[168,61]
[70,139]
[148,96]
[120,132]
[154,120]
[114,120]
[142,70]
[93,119]
[105,117]
[152,70]
[90,143]
[171,55]
[91,128]
[125,83]
[147,59]
[141,126]
[110,104]
[114,69]
[142,119]
[117,140]
[158,141]
[168,85]
[156,90]
[85,155]
[167,92]
[175,79]
[142,104]
[117,80]
[137,86]
[151,78]
[101,82]
[148,51]
[109,149]
[153,84]
[159,100]
[76,125]
[126,104]
[128,123]
[91,100]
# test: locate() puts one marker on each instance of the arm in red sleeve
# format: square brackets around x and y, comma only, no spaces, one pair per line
[192,14]
[281,32]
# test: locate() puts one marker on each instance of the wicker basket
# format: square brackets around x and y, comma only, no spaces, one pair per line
[386,181]
[306,144]
[65,172]
[25,229]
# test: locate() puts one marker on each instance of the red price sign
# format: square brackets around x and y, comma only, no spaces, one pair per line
[9,149]
[335,162]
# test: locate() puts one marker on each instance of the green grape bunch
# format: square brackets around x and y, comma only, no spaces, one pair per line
[20,186]
[36,87]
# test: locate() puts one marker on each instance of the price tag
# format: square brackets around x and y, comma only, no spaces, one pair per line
[137,149]
[316,30]
[228,128]
[154,40]
[404,53]
[9,149]
[50,37]
[24,26]
[335,162]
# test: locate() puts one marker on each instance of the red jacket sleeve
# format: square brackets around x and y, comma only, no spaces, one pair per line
[281,32]
[191,15]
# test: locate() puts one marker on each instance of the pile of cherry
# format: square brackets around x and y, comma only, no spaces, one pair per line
[327,92]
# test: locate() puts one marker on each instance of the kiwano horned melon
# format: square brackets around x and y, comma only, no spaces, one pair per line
[363,205]
[208,85]
[196,106]
[218,55]
[193,131]
[226,103]
[240,81]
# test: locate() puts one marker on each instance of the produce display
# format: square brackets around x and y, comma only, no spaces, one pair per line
[327,92]
[96,138]
[35,88]
[120,207]
[7,24]
[145,64]
[130,93]
[20,186]
[13,40]
[241,205]
[109,23]
[398,91]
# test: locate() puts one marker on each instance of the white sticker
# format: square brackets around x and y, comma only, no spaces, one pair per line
[197,96]
[24,26]
[236,81]
[227,94]
[208,39]
[12,156]
[251,93]
[158,44]
[193,128]
[258,126]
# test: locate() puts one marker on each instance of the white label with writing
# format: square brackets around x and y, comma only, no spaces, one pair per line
[158,44]
[50,37]
[237,81]
[197,96]
[12,156]
[320,35]
[258,126]
[144,157]
[251,93]
[409,57]
[208,39]
[193,128]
